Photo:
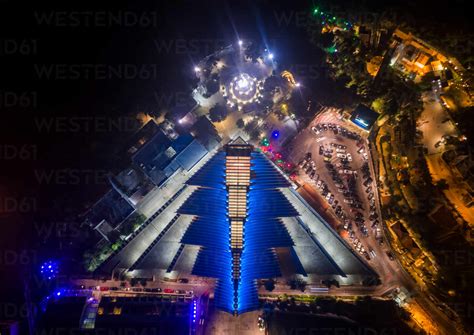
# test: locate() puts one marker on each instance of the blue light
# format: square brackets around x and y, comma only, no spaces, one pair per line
[275,134]
[194,310]
[49,269]
[361,122]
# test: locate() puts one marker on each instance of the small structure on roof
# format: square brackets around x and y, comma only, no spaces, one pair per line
[364,117]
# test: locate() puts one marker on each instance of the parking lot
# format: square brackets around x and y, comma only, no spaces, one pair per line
[334,160]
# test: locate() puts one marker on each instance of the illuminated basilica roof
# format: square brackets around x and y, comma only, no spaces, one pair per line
[238,210]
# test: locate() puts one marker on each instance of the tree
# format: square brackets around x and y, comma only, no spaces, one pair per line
[302,285]
[254,134]
[218,113]
[240,123]
[212,86]
[442,185]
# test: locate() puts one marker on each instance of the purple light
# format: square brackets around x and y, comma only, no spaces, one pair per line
[275,134]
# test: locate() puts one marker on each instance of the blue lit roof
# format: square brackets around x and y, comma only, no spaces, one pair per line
[207,202]
[263,231]
[208,233]
[265,174]
[213,263]
[212,174]
[276,234]
[269,203]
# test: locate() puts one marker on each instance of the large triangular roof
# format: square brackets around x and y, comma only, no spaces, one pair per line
[277,219]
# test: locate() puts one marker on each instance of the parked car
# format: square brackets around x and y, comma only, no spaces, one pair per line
[390,256]
[331,199]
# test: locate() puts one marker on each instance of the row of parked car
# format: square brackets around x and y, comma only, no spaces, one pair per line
[133,289]
[336,129]
[308,166]
[346,182]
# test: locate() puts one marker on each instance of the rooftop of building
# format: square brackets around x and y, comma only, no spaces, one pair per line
[364,117]
[160,157]
[111,207]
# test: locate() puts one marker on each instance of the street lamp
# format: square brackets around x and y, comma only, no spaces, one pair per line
[197,69]
[240,42]
[270,56]
[297,84]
